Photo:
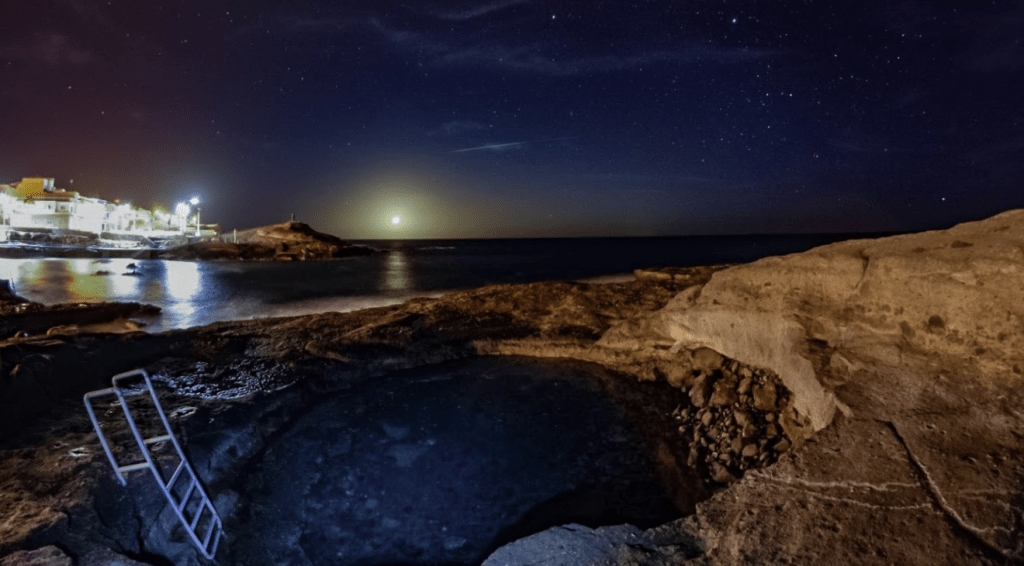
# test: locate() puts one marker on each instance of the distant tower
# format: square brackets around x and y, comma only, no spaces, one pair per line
[293,217]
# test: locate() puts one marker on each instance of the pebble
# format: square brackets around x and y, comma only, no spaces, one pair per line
[742,418]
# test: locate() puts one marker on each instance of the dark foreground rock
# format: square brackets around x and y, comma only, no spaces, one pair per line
[859,403]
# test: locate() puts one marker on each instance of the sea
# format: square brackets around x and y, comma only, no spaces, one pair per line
[193,293]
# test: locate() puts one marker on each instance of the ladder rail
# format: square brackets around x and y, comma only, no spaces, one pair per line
[96,424]
[215,528]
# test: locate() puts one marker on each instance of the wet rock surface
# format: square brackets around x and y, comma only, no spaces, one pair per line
[444,465]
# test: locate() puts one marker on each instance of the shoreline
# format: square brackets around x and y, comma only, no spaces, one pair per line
[876,372]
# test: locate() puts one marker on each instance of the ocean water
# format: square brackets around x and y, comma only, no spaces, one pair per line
[198,293]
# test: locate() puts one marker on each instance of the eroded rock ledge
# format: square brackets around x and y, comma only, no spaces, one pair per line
[895,366]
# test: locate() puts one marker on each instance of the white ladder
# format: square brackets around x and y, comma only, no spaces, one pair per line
[183,490]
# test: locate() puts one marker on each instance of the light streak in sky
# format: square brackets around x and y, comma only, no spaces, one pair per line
[500,146]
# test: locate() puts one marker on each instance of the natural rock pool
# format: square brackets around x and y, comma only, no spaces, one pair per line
[443,465]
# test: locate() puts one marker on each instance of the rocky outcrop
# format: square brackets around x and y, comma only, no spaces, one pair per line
[905,355]
[289,241]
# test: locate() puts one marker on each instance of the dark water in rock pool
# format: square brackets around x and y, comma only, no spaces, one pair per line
[442,465]
[197,293]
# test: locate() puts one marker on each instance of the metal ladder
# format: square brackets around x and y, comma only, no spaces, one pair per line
[183,489]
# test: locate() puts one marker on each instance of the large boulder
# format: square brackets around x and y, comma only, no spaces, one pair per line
[947,300]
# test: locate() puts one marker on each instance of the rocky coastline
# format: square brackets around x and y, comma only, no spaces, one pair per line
[859,403]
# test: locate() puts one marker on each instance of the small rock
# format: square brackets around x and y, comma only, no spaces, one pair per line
[701,391]
[676,375]
[749,431]
[742,418]
[749,451]
[744,386]
[721,474]
[707,360]
[736,446]
[770,417]
[771,431]
[706,418]
[764,397]
[745,372]
[782,445]
[724,395]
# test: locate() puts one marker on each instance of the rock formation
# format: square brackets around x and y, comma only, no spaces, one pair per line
[289,241]
[858,403]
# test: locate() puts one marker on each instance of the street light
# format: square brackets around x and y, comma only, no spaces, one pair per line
[183,211]
[195,203]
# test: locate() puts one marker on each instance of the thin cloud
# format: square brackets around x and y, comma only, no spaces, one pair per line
[537,57]
[481,10]
[509,145]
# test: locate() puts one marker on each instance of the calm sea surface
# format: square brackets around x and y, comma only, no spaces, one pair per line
[198,293]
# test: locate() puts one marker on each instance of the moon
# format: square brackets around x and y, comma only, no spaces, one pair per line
[396,220]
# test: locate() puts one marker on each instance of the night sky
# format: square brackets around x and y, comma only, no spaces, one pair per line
[519,118]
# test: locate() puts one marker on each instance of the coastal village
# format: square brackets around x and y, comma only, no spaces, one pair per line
[36,210]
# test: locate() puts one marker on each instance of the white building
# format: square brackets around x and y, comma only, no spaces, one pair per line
[36,203]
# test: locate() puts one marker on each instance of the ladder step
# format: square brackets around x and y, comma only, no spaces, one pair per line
[133,467]
[174,476]
[209,533]
[156,439]
[188,494]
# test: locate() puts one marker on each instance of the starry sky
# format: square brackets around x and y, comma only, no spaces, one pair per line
[524,118]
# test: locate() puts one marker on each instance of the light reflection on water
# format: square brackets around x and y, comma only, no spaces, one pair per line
[396,276]
[199,293]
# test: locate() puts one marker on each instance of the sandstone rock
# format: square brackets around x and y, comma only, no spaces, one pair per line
[707,360]
[721,474]
[744,386]
[737,445]
[700,393]
[742,418]
[45,556]
[574,545]
[678,375]
[765,397]
[706,418]
[724,394]
[749,431]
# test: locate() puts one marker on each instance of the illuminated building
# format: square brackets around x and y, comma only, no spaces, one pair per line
[35,203]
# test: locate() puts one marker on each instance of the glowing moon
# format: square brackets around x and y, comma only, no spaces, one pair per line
[396,220]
